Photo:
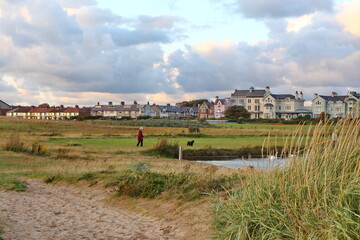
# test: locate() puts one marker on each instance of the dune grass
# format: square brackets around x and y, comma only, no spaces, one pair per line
[316,197]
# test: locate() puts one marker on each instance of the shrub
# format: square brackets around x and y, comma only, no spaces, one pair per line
[15,144]
[185,186]
[38,149]
[165,148]
[140,167]
[16,185]
[87,176]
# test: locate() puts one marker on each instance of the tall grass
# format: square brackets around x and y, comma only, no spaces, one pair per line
[317,196]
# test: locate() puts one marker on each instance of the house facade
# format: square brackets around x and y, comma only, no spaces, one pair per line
[206,110]
[4,107]
[48,113]
[117,111]
[251,100]
[221,105]
[334,105]
[285,106]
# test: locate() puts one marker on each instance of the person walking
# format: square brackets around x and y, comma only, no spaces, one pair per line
[140,137]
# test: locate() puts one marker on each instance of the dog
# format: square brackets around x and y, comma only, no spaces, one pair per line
[190,143]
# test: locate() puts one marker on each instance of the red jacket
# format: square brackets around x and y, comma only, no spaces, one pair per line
[140,136]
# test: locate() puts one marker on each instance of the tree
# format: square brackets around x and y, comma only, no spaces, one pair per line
[192,103]
[237,112]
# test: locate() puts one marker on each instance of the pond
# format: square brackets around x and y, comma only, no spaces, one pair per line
[257,163]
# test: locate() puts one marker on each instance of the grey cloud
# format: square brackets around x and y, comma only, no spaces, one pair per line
[280,8]
[49,24]
[55,53]
[319,55]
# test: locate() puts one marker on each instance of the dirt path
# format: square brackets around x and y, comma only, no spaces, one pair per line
[63,212]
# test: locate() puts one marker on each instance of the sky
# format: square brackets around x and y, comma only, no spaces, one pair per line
[166,51]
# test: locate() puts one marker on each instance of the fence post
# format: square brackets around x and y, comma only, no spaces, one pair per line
[180,153]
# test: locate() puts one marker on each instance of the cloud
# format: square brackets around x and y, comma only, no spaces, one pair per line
[279,8]
[349,16]
[159,21]
[77,3]
[84,50]
[316,55]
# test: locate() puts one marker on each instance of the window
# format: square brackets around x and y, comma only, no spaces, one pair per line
[249,108]
[288,107]
[257,101]
[249,100]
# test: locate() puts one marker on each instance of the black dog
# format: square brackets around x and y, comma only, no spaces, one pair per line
[190,143]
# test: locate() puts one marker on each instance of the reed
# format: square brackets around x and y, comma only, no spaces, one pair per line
[317,196]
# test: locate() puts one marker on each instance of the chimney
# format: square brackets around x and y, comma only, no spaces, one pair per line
[98,103]
[251,89]
[267,88]
[217,97]
[316,95]
[148,103]
[122,103]
[296,95]
[168,104]
[301,95]
[333,94]
[135,102]
[154,104]
[110,103]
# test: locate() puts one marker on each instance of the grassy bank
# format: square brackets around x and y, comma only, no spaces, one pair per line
[316,197]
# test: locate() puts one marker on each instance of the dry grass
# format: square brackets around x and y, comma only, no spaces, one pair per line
[316,197]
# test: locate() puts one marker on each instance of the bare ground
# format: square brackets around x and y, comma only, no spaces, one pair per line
[63,212]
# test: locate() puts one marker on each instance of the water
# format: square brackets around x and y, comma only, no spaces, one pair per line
[257,163]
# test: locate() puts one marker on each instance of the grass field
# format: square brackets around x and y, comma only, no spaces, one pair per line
[106,155]
[129,144]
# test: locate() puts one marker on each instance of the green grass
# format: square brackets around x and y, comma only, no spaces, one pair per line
[130,143]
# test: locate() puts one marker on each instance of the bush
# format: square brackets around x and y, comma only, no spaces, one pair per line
[185,186]
[16,185]
[38,149]
[15,144]
[140,167]
[165,148]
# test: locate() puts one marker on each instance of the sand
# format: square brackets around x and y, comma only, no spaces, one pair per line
[45,211]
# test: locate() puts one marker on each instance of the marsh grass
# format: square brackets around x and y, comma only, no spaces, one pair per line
[317,196]
[15,144]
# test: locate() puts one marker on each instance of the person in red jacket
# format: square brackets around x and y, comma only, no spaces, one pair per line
[140,137]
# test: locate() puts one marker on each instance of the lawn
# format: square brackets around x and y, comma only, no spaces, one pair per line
[129,144]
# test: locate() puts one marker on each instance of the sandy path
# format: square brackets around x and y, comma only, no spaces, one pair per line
[62,212]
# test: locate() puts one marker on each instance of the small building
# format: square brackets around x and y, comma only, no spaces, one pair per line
[169,111]
[221,105]
[206,110]
[4,107]
[333,105]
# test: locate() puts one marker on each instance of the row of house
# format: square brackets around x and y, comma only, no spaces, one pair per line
[260,103]
[46,112]
[136,110]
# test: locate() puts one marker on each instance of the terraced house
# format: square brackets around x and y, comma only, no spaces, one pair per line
[48,113]
[334,105]
[117,111]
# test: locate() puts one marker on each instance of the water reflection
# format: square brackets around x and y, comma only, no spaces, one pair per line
[257,163]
